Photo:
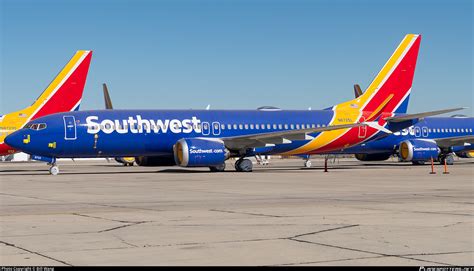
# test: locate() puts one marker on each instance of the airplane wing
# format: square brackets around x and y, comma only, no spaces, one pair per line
[454,141]
[421,115]
[279,137]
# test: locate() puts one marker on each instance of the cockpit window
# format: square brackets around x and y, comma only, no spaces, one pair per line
[28,126]
[35,126]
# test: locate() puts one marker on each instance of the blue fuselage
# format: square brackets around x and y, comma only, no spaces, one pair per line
[112,133]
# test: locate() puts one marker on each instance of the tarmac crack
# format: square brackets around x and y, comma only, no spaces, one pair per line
[29,197]
[316,232]
[124,226]
[454,224]
[330,261]
[103,218]
[36,253]
[366,251]
[244,213]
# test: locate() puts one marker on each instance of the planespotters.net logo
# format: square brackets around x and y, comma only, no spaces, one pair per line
[444,268]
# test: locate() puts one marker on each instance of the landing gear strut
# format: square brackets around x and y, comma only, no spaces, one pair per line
[243,165]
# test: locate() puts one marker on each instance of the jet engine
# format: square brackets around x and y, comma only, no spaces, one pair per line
[465,154]
[372,156]
[155,161]
[418,150]
[195,152]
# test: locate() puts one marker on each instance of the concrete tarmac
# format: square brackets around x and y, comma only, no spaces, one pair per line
[99,213]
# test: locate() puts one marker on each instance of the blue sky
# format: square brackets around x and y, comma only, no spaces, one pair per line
[234,54]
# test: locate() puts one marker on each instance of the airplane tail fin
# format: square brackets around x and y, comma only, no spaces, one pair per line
[64,93]
[389,92]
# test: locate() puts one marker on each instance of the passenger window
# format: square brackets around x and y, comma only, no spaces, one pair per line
[286,126]
[241,126]
[297,126]
[269,126]
[246,126]
[257,126]
[274,126]
[251,126]
[280,126]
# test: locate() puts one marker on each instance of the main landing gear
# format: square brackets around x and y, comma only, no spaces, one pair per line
[307,164]
[449,158]
[243,165]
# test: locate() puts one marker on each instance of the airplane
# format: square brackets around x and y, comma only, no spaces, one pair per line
[437,138]
[63,94]
[443,142]
[444,136]
[207,138]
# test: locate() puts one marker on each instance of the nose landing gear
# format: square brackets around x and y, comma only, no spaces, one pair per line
[54,169]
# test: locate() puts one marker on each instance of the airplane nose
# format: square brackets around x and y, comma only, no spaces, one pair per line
[16,140]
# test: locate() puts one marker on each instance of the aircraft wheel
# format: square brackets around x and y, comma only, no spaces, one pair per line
[307,164]
[219,168]
[244,165]
[237,165]
[54,170]
[449,159]
[418,163]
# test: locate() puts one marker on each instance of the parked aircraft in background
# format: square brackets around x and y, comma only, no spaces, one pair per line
[436,137]
[206,138]
[63,94]
[432,137]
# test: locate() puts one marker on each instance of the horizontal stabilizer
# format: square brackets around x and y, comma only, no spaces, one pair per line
[421,115]
[377,126]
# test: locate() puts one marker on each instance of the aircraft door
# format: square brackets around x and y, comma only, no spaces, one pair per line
[417,131]
[362,129]
[206,130]
[216,128]
[70,132]
[425,131]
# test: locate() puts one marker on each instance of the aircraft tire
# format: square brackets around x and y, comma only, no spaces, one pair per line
[54,170]
[418,163]
[245,165]
[307,164]
[219,168]
[449,159]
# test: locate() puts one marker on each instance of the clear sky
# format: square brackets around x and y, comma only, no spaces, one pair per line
[234,54]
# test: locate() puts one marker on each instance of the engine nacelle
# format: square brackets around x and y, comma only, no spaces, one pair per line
[155,161]
[418,150]
[372,156]
[465,154]
[195,152]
